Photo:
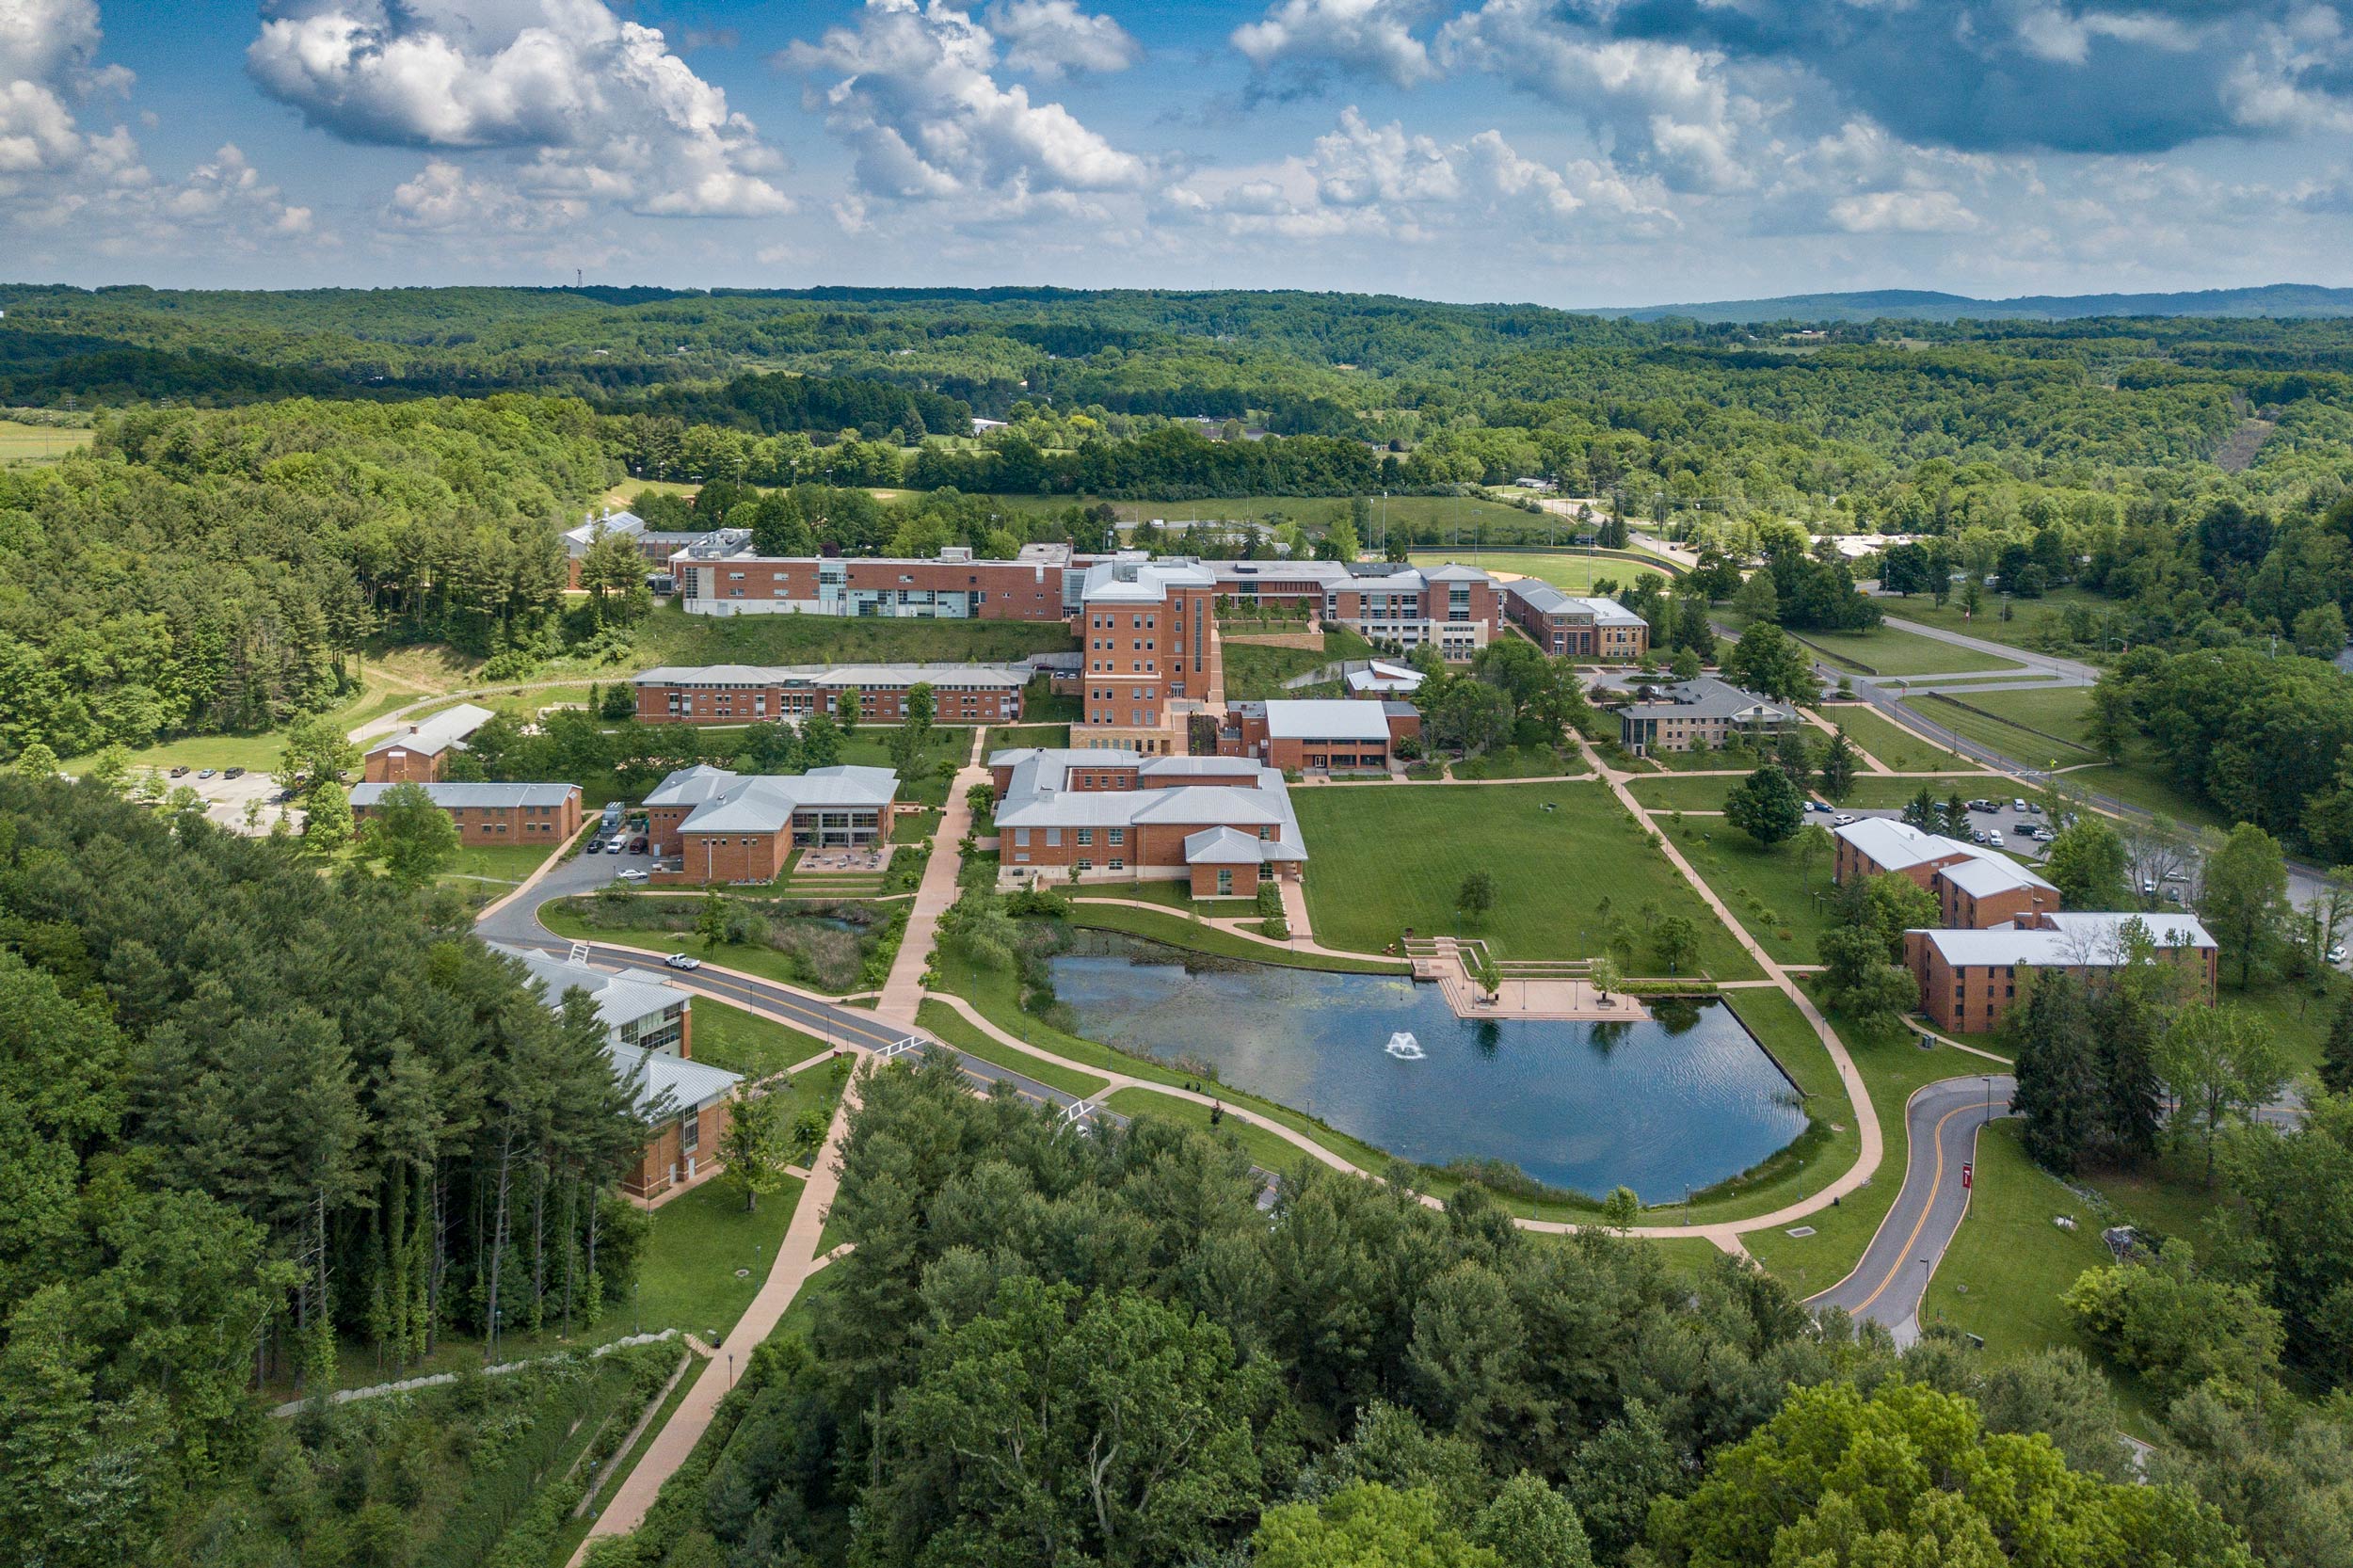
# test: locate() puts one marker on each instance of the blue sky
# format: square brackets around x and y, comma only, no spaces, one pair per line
[1566,152]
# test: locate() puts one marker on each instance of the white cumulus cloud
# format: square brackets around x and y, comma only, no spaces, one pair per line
[1047,38]
[1906,211]
[912,89]
[610,112]
[1371,36]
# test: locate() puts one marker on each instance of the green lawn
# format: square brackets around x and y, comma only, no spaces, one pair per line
[1893,745]
[1687,1260]
[1013,737]
[1389,859]
[961,1032]
[688,1279]
[1570,573]
[2034,622]
[1670,794]
[1255,671]
[1175,930]
[2298,1017]
[2003,1275]
[1888,651]
[2138,781]
[871,748]
[506,863]
[259,752]
[2033,727]
[671,636]
[1891,1067]
[1783,903]
[1715,760]
[767,962]
[745,1043]
[1525,762]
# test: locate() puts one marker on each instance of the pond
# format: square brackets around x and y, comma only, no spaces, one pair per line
[1686,1099]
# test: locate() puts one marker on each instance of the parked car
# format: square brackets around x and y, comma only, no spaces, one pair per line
[1983,805]
[2018,806]
[2176,876]
[1977,835]
[683,961]
[637,845]
[1993,840]
[1842,819]
[2147,888]
[635,874]
[2336,954]
[234,773]
[1819,805]
[2030,807]
[206,773]
[180,772]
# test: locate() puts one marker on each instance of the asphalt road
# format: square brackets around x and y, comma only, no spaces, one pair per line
[1941,1125]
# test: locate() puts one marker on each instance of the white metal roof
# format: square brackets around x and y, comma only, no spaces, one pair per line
[1325,719]
[1983,875]
[687,1086]
[448,796]
[435,735]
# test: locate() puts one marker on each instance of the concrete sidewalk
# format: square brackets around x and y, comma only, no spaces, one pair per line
[903,992]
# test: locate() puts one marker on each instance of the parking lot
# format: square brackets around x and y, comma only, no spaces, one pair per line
[226,798]
[2005,828]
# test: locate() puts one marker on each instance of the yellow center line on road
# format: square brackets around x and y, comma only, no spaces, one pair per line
[1936,1184]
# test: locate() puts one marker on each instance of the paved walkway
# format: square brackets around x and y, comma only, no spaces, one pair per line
[796,1259]
[903,992]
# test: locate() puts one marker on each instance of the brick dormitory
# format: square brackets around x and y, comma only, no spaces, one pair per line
[542,814]
[757,694]
[2001,917]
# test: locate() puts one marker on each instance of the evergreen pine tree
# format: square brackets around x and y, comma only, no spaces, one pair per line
[2058,1091]
[2336,1052]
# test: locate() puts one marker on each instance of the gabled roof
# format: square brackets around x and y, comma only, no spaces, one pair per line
[1707,698]
[1231,846]
[1545,600]
[729,802]
[1223,804]
[1893,844]
[450,796]
[431,737]
[620,998]
[2089,940]
[1991,874]
[684,1086]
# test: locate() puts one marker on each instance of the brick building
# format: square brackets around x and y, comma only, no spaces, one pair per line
[757,694]
[655,547]
[1568,627]
[1457,609]
[649,1036]
[1969,980]
[1975,887]
[1319,735]
[416,753]
[1222,824]
[709,824]
[537,814]
[719,578]
[1148,631]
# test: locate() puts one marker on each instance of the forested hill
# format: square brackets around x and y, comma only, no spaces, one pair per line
[2270,299]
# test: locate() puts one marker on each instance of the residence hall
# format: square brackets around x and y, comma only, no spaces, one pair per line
[1153,657]
[1458,610]
[416,753]
[1976,888]
[1568,627]
[649,1036]
[1969,979]
[654,546]
[1221,823]
[1317,735]
[542,814]
[1705,711]
[721,577]
[710,825]
[757,694]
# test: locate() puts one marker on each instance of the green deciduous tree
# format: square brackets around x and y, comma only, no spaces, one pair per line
[1476,896]
[753,1146]
[411,837]
[2087,863]
[2177,1326]
[1765,806]
[315,750]
[326,823]
[1859,982]
[2218,1063]
[1769,660]
[1677,941]
[2243,897]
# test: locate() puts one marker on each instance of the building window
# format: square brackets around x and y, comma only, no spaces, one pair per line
[690,1133]
[1224,882]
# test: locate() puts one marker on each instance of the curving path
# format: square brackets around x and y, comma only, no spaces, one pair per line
[1941,1124]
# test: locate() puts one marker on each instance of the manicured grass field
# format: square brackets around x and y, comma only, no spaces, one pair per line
[1177,931]
[507,863]
[1893,745]
[671,636]
[1008,737]
[1669,794]
[1525,762]
[747,1043]
[1265,1150]
[39,444]
[1387,859]
[2138,781]
[1741,758]
[688,1279]
[871,748]
[1888,651]
[2002,1277]
[1783,903]
[1891,1067]
[961,1032]
[1570,573]
[2034,728]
